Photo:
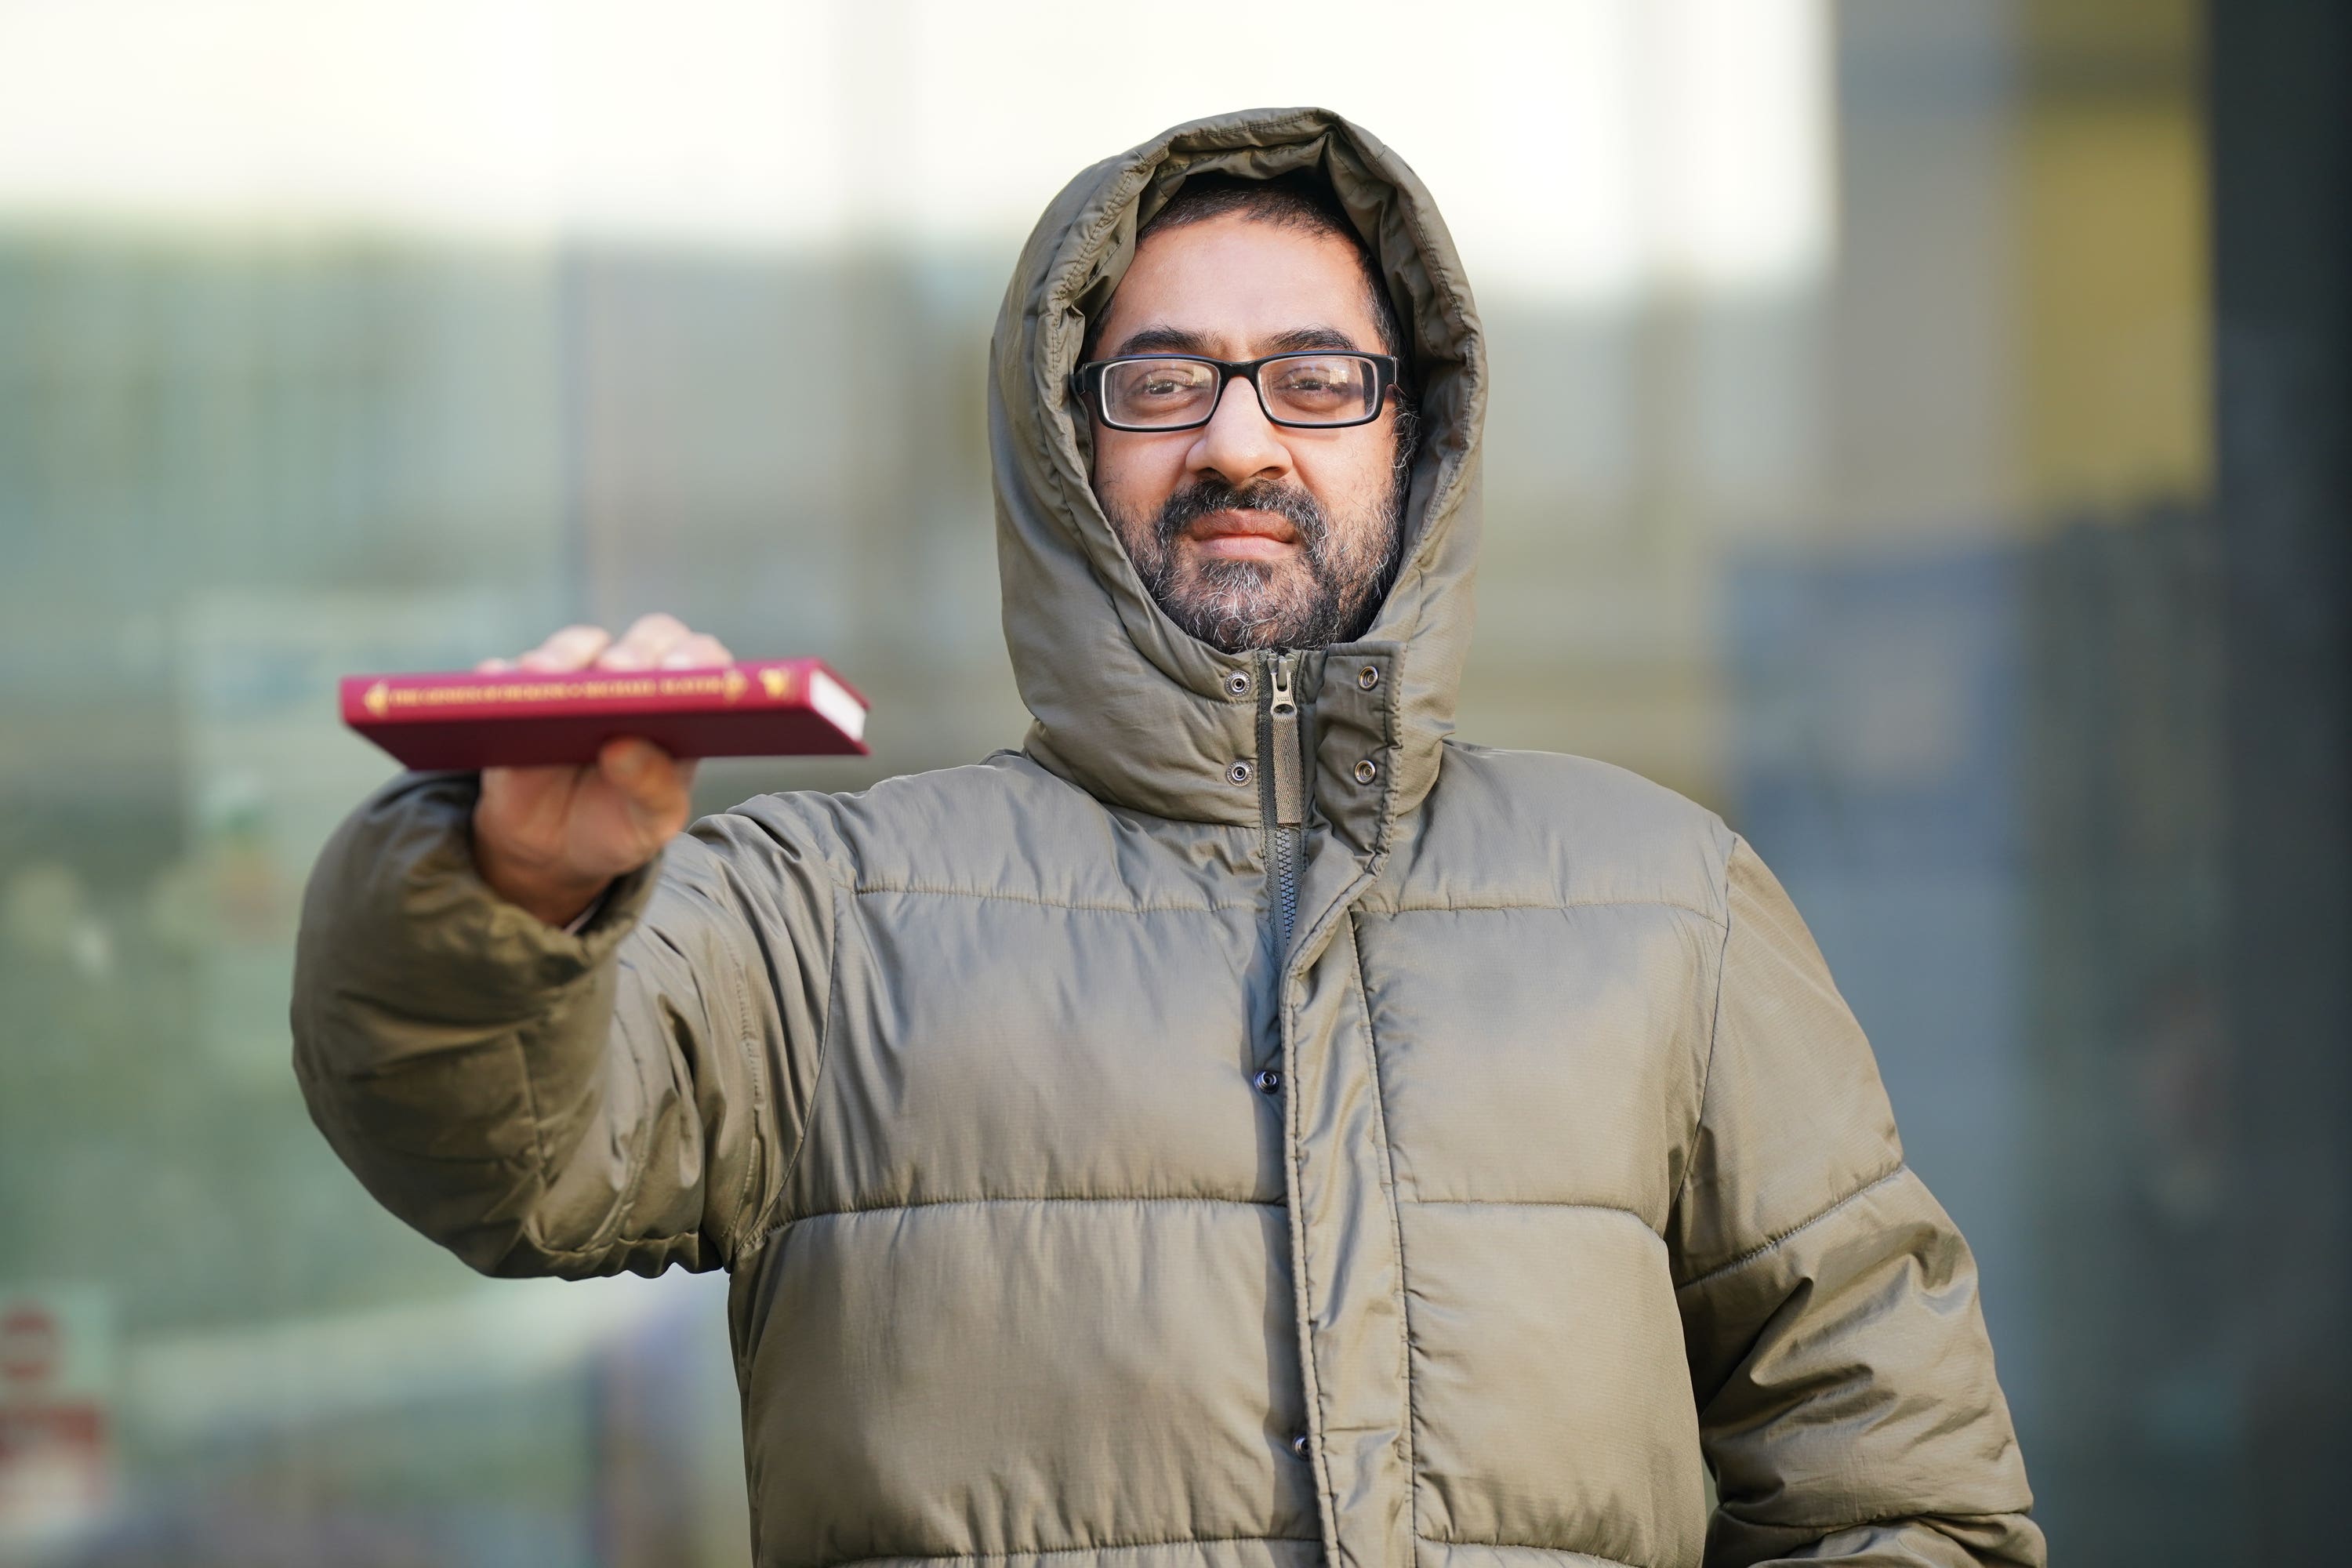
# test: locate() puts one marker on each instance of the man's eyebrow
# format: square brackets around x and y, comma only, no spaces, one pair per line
[1185,340]
[1303,338]
[1165,340]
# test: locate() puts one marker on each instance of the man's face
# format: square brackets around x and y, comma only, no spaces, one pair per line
[1251,534]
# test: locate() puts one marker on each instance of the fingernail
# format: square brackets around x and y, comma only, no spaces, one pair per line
[632,759]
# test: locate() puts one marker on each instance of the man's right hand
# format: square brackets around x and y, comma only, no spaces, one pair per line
[552,839]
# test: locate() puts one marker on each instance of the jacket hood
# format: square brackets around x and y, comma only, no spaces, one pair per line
[1127,705]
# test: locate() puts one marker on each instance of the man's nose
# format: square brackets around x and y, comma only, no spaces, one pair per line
[1239,443]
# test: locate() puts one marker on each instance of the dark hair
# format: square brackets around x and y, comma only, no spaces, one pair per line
[1300,199]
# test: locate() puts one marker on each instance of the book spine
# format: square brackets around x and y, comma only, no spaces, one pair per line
[392,699]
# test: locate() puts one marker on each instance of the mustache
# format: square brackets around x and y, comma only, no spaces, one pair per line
[1205,497]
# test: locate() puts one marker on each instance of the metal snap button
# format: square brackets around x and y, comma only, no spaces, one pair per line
[1299,1444]
[1367,771]
[1367,677]
[1238,774]
[1237,682]
[1268,1082]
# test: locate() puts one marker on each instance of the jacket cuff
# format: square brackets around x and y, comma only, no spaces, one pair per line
[585,916]
[396,906]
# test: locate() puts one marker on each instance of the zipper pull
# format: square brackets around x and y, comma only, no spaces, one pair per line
[1289,767]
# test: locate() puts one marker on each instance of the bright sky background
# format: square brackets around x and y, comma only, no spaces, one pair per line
[1582,150]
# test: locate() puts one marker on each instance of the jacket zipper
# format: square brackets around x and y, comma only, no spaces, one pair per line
[1287,797]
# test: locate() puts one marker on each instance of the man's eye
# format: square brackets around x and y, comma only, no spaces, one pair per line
[1317,387]
[1161,382]
[1316,375]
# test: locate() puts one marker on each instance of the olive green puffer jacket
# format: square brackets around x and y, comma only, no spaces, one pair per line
[1204,1138]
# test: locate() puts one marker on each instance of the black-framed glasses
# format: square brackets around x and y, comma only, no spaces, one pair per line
[1320,389]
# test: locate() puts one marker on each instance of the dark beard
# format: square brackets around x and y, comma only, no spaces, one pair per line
[1235,605]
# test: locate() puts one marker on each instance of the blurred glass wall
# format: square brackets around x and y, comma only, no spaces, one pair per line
[1848,469]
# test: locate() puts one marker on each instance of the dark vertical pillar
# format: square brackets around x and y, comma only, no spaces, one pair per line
[2282,128]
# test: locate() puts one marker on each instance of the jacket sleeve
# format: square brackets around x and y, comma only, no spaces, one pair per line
[1846,1397]
[546,1102]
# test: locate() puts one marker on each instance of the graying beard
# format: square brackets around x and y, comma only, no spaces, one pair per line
[1234,608]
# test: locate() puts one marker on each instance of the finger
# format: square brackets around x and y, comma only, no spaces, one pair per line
[646,775]
[516,803]
[573,647]
[649,638]
[699,651]
[658,803]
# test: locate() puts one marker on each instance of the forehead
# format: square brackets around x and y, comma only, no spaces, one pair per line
[1238,282]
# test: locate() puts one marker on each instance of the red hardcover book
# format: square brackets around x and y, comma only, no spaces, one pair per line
[777,707]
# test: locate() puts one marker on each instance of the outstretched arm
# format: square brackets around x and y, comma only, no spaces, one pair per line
[1846,1395]
[545,1101]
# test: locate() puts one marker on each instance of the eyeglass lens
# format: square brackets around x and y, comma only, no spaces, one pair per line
[1304,389]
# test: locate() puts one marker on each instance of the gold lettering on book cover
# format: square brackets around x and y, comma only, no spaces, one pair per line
[522,691]
[729,685]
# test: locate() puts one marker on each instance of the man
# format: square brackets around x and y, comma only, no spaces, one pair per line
[1243,1126]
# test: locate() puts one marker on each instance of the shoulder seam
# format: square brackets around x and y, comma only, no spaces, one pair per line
[1714,1029]
[1753,1253]
[757,1227]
